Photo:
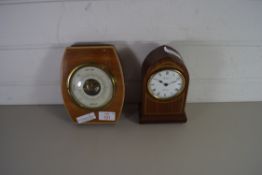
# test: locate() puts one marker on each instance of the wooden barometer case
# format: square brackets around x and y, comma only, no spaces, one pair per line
[165,82]
[92,84]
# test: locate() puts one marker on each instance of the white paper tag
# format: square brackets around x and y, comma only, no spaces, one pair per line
[86,118]
[107,116]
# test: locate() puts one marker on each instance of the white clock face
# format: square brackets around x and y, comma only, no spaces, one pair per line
[90,86]
[166,84]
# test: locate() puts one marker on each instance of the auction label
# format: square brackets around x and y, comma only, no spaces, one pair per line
[107,116]
[86,118]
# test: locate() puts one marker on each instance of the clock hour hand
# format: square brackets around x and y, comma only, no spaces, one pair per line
[160,81]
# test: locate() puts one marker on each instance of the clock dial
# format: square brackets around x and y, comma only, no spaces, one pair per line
[90,86]
[166,84]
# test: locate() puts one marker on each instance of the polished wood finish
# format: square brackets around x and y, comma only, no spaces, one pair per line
[153,110]
[104,56]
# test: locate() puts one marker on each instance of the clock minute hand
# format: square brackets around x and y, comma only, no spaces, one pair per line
[173,81]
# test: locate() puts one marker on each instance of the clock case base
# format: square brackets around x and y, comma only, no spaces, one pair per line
[178,118]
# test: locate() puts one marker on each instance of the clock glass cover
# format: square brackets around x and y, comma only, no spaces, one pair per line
[90,86]
[166,84]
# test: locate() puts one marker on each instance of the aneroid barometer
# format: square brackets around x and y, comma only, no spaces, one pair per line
[164,87]
[92,84]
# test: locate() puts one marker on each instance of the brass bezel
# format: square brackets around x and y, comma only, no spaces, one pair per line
[168,98]
[101,67]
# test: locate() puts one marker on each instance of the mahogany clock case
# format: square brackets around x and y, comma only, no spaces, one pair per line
[106,58]
[153,110]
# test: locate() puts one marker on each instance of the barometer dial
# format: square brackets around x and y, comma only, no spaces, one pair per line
[90,86]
